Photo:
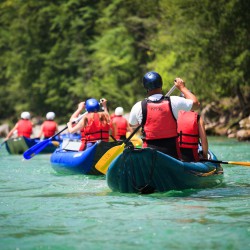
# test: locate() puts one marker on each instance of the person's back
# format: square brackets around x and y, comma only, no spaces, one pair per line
[191,134]
[23,127]
[159,127]
[158,115]
[121,124]
[49,127]
[94,126]
[188,132]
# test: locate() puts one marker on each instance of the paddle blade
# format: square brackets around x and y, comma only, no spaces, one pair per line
[2,144]
[103,164]
[55,143]
[239,163]
[28,154]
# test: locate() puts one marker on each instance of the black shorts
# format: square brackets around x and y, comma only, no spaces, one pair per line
[166,146]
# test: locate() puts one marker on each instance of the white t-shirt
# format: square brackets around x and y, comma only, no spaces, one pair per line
[177,103]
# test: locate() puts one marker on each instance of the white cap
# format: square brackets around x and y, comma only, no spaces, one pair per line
[25,115]
[50,116]
[119,111]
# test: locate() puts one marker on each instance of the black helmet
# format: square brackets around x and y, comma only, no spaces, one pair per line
[152,80]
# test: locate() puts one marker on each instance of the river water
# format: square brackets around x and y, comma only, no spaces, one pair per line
[40,209]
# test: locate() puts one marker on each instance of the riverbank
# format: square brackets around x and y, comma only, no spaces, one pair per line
[224,118]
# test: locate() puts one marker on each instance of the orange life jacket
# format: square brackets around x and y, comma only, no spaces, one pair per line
[158,121]
[122,124]
[49,128]
[188,129]
[24,128]
[95,130]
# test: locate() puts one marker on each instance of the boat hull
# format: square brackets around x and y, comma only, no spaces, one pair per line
[148,171]
[80,162]
[20,144]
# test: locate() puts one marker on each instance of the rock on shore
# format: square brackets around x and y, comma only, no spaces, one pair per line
[226,121]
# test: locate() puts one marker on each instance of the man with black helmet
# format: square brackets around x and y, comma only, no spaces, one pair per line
[158,114]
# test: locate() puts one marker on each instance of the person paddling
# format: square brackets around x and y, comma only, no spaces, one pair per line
[158,114]
[94,126]
[121,124]
[24,126]
[191,133]
[49,127]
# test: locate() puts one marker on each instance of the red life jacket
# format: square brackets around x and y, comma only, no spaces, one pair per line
[49,128]
[24,128]
[188,129]
[158,121]
[121,124]
[95,130]
[83,144]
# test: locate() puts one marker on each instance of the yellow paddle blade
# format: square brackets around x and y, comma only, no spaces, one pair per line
[56,143]
[103,164]
[136,140]
[239,163]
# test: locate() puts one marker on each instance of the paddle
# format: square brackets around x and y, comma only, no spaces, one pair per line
[242,163]
[2,144]
[103,164]
[28,154]
[171,91]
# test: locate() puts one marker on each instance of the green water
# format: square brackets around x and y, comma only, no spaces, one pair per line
[40,209]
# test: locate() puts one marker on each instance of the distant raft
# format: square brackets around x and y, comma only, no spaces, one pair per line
[67,159]
[20,144]
[147,171]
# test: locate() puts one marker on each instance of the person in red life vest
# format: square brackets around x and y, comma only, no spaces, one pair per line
[24,126]
[121,124]
[94,126]
[191,131]
[158,114]
[49,127]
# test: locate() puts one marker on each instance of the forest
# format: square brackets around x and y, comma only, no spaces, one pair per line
[56,53]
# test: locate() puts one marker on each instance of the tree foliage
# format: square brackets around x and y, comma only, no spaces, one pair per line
[57,53]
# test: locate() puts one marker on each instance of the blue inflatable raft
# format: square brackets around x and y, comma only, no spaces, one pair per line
[147,171]
[68,160]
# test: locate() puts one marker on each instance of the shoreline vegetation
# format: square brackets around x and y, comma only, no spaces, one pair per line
[56,53]
[226,118]
[222,118]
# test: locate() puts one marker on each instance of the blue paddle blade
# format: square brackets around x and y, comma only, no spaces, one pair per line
[36,149]
[2,144]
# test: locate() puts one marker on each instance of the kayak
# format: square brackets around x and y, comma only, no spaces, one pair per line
[67,159]
[20,144]
[147,171]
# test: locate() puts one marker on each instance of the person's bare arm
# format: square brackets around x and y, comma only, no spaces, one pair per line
[103,101]
[11,132]
[180,84]
[41,132]
[114,131]
[129,129]
[203,137]
[73,129]
[81,107]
